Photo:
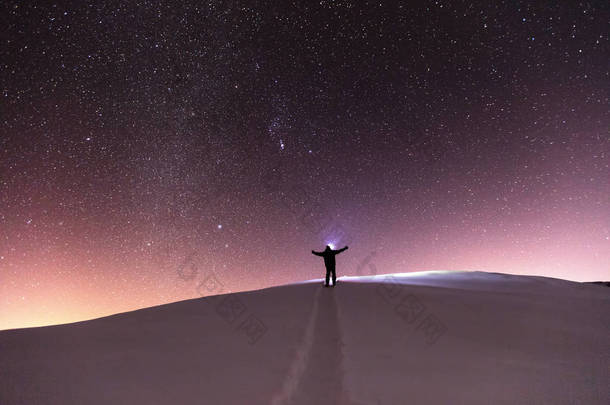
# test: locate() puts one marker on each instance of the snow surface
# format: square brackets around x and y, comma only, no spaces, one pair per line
[413,338]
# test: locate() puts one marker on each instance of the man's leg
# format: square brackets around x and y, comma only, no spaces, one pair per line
[334,277]
[327,275]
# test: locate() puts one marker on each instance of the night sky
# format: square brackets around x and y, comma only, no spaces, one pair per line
[150,147]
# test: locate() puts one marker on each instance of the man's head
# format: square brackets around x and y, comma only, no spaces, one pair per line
[328,247]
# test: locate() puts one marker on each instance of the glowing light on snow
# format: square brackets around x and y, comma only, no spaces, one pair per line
[397,277]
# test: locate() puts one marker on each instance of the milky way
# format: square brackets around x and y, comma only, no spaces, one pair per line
[152,149]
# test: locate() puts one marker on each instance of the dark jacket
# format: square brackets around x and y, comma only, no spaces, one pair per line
[329,256]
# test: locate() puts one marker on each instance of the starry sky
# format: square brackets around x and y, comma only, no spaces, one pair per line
[150,148]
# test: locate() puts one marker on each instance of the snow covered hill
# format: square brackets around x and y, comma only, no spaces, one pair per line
[414,338]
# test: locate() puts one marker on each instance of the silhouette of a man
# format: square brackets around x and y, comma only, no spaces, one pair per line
[329,261]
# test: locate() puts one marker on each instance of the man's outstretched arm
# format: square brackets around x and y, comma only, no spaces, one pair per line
[340,250]
[317,253]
